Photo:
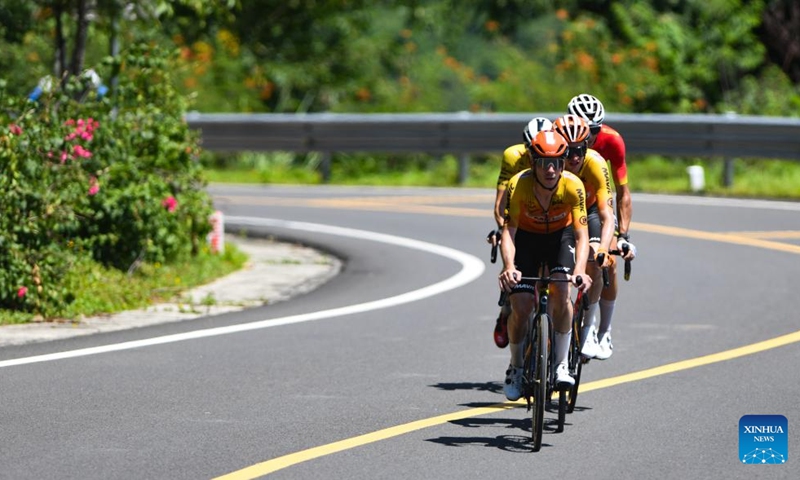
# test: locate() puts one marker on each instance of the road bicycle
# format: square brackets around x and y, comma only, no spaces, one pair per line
[538,369]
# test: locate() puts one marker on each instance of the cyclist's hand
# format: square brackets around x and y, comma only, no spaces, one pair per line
[584,284]
[603,259]
[494,237]
[508,278]
[624,245]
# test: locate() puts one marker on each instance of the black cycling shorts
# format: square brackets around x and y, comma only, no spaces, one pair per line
[595,227]
[556,250]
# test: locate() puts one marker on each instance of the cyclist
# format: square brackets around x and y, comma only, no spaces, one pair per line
[545,223]
[609,144]
[515,159]
[591,168]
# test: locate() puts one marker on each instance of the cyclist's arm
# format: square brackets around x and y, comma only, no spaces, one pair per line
[514,161]
[624,208]
[499,207]
[510,215]
[579,225]
[601,179]
[507,248]
[615,154]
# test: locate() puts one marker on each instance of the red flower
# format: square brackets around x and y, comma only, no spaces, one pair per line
[22,291]
[94,187]
[170,203]
[81,152]
[15,129]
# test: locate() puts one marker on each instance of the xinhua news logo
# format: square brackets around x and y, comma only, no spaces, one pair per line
[763,439]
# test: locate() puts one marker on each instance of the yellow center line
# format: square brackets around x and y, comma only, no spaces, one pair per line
[270,466]
[716,237]
[786,234]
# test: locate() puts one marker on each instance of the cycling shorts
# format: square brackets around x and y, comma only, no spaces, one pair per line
[595,225]
[555,250]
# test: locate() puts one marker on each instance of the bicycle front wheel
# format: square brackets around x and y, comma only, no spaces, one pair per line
[575,361]
[540,340]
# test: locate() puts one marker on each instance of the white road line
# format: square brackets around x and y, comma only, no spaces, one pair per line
[471,269]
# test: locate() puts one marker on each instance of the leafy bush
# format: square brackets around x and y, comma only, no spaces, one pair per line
[115,179]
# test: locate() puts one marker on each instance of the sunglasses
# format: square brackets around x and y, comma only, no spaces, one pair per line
[545,163]
[579,151]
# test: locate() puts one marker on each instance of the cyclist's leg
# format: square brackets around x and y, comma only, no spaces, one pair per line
[590,347]
[522,304]
[608,300]
[608,297]
[521,308]
[561,261]
[500,333]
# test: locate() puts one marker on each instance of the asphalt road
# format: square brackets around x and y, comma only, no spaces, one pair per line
[389,369]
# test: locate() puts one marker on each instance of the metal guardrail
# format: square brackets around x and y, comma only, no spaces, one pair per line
[725,136]
[696,135]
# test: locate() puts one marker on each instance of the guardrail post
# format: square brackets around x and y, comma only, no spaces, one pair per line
[727,172]
[463,168]
[325,166]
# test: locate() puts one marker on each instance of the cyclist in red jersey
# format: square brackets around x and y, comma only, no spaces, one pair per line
[609,144]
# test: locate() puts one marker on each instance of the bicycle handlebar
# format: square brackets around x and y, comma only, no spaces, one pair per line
[621,253]
[497,234]
[504,294]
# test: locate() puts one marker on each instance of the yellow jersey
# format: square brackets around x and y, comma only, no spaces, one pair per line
[515,159]
[596,179]
[567,205]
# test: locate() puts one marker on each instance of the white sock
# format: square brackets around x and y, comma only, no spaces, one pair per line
[516,354]
[606,312]
[562,347]
[591,316]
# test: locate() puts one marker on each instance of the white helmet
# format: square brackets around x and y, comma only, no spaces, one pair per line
[537,124]
[588,107]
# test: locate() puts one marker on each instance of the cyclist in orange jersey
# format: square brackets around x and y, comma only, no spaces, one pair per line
[545,223]
[592,169]
[610,145]
[515,159]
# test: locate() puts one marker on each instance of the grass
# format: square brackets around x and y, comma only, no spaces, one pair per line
[101,290]
[775,179]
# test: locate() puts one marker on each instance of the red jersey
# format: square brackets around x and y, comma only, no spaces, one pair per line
[610,145]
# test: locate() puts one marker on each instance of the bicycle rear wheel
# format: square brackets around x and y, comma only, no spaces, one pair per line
[539,341]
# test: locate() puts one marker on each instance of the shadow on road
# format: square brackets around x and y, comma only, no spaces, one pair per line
[518,442]
[494,387]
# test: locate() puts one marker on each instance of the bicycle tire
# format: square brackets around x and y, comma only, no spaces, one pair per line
[575,361]
[540,342]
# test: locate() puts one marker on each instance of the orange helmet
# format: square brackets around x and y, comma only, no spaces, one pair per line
[548,144]
[572,127]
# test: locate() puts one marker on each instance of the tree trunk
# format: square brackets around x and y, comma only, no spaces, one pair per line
[781,34]
[81,34]
[60,66]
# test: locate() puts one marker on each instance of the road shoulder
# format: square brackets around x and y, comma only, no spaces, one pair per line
[275,271]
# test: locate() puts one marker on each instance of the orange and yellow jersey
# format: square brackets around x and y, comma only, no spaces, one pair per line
[610,145]
[595,178]
[515,160]
[567,205]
